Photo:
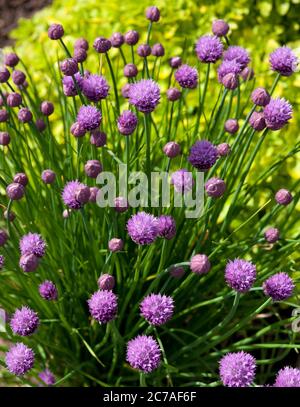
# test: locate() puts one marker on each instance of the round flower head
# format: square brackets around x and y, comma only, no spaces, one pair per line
[277,113]
[79,55]
[220,28]
[158,50]
[125,90]
[69,66]
[21,178]
[283,61]
[55,31]
[209,48]
[157,309]
[187,77]
[172,149]
[247,74]
[18,77]
[81,43]
[223,149]
[29,263]
[121,204]
[33,243]
[48,290]
[200,264]
[15,191]
[4,74]
[237,54]
[173,94]
[106,282]
[48,176]
[98,138]
[260,97]
[77,130]
[11,59]
[24,115]
[127,122]
[144,50]
[177,272]
[24,321]
[4,138]
[152,13]
[215,187]
[182,180]
[3,237]
[203,155]
[130,71]
[231,126]
[279,286]
[3,115]
[89,117]
[14,99]
[272,235]
[230,81]
[288,377]
[143,228]
[228,67]
[19,359]
[115,244]
[237,369]
[102,45]
[240,275]
[95,87]
[175,62]
[69,87]
[47,108]
[2,261]
[131,37]
[75,194]
[117,40]
[283,197]
[144,95]
[166,227]
[93,168]
[94,191]
[257,121]
[103,306]
[47,377]
[143,353]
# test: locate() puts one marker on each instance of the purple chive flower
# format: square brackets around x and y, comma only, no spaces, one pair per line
[175,62]
[89,117]
[98,138]
[69,67]
[144,50]
[288,377]
[182,180]
[3,237]
[33,243]
[75,194]
[203,155]
[14,99]
[257,121]
[93,168]
[125,90]
[143,353]
[24,115]
[29,263]
[209,48]
[95,87]
[21,178]
[24,321]
[117,40]
[237,369]
[115,245]
[121,204]
[130,71]
[173,94]
[283,61]
[4,74]
[131,37]
[271,235]
[277,113]
[215,187]
[247,74]
[15,191]
[127,122]
[152,13]
[220,28]
[230,81]
[2,261]
[81,43]
[240,275]
[11,59]
[223,149]
[4,138]
[177,272]
[19,359]
[48,290]
[47,377]
[200,264]
[47,108]
[231,126]
[172,149]
[166,227]
[55,31]
[143,228]
[260,97]
[94,191]
[18,77]
[283,197]
[48,176]
[144,95]
[158,50]
[228,67]
[69,87]
[102,45]
[279,287]
[237,54]
[77,130]
[3,115]
[157,309]
[103,306]
[79,55]
[187,77]
[106,282]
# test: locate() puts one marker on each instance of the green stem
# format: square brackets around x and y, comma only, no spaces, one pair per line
[147,121]
[114,82]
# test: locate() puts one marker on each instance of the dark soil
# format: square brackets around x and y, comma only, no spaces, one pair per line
[12,10]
